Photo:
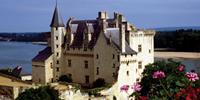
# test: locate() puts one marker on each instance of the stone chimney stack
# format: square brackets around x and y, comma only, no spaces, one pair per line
[122,27]
[102,17]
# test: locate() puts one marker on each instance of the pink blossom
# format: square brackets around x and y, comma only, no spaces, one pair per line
[136,87]
[181,68]
[158,74]
[192,76]
[124,88]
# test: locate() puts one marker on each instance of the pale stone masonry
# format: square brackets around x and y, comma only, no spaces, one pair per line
[85,50]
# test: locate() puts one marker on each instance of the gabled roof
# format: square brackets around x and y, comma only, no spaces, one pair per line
[113,33]
[57,19]
[43,55]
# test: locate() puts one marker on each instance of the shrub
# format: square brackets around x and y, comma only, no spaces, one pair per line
[41,93]
[99,82]
[65,78]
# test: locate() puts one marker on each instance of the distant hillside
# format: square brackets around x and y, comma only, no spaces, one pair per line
[24,37]
[177,28]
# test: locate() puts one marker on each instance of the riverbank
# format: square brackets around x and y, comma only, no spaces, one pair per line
[177,55]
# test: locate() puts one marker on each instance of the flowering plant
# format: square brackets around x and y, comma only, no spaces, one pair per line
[168,80]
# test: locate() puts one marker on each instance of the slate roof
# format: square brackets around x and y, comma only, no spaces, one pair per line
[113,33]
[78,27]
[57,19]
[43,55]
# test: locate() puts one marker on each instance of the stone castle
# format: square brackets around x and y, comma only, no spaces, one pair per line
[85,50]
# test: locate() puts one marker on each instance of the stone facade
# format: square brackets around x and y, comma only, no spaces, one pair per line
[85,50]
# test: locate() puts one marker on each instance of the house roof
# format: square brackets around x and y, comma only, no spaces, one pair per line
[43,55]
[57,19]
[113,33]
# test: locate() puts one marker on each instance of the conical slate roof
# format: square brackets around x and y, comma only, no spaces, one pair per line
[57,19]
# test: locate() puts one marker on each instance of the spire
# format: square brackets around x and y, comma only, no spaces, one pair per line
[57,19]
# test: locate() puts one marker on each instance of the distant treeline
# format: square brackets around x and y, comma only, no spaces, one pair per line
[24,37]
[179,40]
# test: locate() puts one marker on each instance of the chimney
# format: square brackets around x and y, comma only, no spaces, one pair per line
[102,15]
[122,27]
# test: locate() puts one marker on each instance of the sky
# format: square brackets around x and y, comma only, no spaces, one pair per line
[35,15]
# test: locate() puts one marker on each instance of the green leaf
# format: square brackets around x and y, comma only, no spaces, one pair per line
[178,83]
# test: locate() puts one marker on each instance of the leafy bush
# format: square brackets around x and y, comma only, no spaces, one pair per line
[167,80]
[41,93]
[65,78]
[99,82]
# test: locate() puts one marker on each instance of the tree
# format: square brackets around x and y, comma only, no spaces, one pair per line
[65,78]
[99,82]
[41,93]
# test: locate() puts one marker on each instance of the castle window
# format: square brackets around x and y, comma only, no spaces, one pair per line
[140,48]
[149,50]
[57,62]
[87,79]
[97,56]
[56,28]
[113,65]
[56,46]
[86,64]
[69,63]
[57,54]
[97,71]
[127,73]
[113,56]
[56,37]
[51,65]
[57,69]
[85,48]
[139,64]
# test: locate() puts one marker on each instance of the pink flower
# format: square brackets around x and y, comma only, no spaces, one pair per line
[124,88]
[181,68]
[136,87]
[158,74]
[192,76]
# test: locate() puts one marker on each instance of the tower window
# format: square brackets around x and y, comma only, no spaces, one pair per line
[97,71]
[69,63]
[56,37]
[57,69]
[87,80]
[140,48]
[67,46]
[86,64]
[113,56]
[51,65]
[57,54]
[127,73]
[57,62]
[56,46]
[56,28]
[139,64]
[97,56]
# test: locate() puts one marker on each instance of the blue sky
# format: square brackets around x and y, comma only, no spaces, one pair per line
[35,15]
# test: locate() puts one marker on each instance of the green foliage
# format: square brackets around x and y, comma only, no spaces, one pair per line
[167,87]
[99,82]
[41,93]
[180,40]
[65,78]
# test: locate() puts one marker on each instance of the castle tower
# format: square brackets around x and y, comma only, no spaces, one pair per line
[57,39]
